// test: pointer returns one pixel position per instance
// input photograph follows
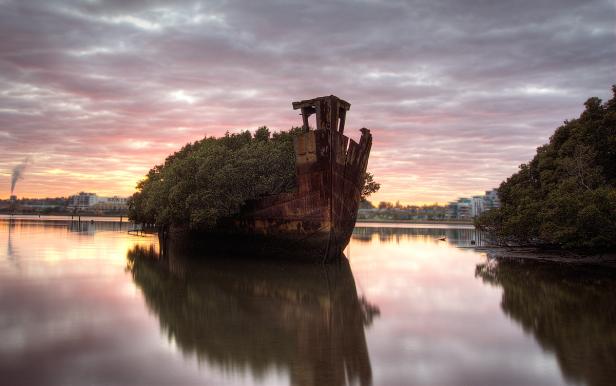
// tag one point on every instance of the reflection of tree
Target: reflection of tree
(85, 226)
(570, 312)
(257, 315)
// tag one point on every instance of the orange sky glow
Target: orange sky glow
(94, 94)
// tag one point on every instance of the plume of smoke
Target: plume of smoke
(18, 172)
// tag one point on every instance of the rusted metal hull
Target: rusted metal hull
(318, 219)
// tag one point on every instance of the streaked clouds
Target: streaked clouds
(457, 93)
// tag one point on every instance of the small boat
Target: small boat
(316, 221)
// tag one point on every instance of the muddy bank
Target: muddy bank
(523, 254)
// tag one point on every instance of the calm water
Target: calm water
(90, 304)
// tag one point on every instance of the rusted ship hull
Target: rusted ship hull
(316, 221)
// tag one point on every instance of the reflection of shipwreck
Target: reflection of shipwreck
(305, 318)
(317, 220)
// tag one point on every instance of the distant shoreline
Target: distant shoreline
(65, 217)
(527, 254)
(63, 214)
(125, 217)
(447, 222)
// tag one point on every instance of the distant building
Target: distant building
(491, 199)
(461, 209)
(90, 201)
(452, 210)
(12, 205)
(478, 206)
(467, 208)
(114, 203)
(82, 201)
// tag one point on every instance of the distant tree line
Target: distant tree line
(385, 210)
(370, 186)
(566, 195)
(365, 204)
(57, 201)
(211, 178)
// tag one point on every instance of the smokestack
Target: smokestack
(18, 173)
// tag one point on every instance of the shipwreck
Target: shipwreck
(316, 220)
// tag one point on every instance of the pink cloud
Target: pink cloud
(454, 103)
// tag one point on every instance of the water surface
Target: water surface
(87, 303)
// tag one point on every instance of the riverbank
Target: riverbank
(115, 217)
(525, 254)
(64, 217)
(446, 222)
(64, 213)
(125, 217)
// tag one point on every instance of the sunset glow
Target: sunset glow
(96, 92)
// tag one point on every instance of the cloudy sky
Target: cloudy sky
(457, 93)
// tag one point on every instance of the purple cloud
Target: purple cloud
(457, 94)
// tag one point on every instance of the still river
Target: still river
(89, 304)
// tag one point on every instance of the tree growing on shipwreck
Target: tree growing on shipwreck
(300, 186)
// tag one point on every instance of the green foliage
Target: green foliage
(213, 177)
(566, 195)
(370, 186)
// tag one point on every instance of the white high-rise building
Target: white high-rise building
(465, 208)
(477, 208)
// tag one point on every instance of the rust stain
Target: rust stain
(321, 214)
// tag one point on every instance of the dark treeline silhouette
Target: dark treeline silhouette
(305, 318)
(570, 312)
(566, 195)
